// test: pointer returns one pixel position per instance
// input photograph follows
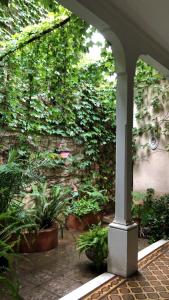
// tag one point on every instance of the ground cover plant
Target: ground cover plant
(152, 212)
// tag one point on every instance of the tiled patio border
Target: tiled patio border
(104, 278)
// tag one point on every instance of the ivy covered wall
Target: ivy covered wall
(48, 87)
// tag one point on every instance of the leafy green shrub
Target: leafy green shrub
(18, 220)
(88, 199)
(153, 213)
(90, 191)
(83, 207)
(157, 218)
(142, 205)
(95, 243)
(137, 204)
(46, 208)
(10, 181)
(10, 285)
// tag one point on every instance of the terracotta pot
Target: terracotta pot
(84, 222)
(43, 240)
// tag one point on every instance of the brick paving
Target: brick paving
(150, 282)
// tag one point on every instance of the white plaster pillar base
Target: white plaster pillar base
(123, 249)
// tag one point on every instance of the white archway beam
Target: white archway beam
(107, 17)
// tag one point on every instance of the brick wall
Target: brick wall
(65, 175)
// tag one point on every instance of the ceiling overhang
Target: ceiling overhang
(142, 26)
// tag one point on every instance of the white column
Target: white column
(123, 239)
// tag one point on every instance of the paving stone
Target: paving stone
(29, 292)
(61, 287)
(58, 271)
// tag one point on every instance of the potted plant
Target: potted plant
(82, 214)
(86, 207)
(37, 226)
(95, 244)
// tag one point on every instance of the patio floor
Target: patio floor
(53, 274)
(150, 282)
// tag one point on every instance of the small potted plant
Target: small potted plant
(95, 244)
(82, 214)
(86, 207)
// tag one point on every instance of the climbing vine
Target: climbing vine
(47, 88)
(151, 100)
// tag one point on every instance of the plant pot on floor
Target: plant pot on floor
(92, 254)
(44, 240)
(83, 222)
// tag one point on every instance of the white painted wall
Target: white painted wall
(151, 170)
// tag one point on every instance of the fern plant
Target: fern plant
(94, 243)
(9, 284)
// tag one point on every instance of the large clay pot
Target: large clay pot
(44, 240)
(84, 222)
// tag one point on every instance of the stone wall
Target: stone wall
(65, 175)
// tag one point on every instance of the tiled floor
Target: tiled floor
(53, 274)
(151, 281)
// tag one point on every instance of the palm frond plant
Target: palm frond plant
(9, 284)
(19, 220)
(49, 204)
(31, 227)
